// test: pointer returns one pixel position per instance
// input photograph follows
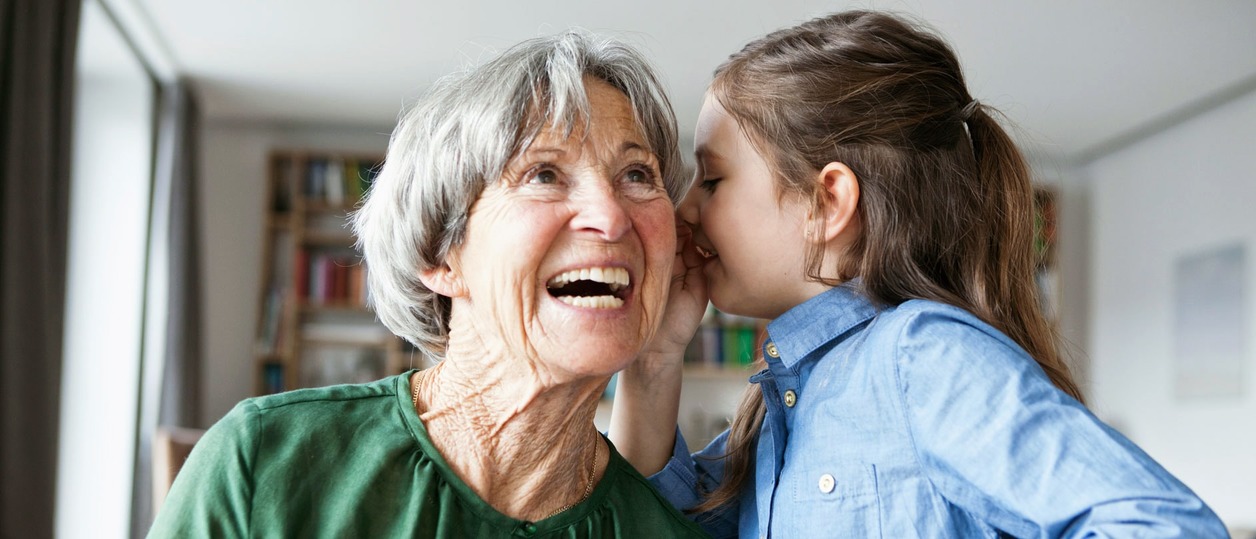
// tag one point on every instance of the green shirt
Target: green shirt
(355, 461)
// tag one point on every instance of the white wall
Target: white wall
(233, 172)
(1187, 189)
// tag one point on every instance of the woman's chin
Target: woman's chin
(597, 357)
(590, 342)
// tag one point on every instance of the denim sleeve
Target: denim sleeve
(685, 477)
(998, 439)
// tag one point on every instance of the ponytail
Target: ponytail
(1013, 305)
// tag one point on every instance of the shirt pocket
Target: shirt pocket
(840, 498)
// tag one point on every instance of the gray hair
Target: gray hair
(457, 139)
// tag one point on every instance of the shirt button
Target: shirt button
(790, 398)
(827, 483)
(771, 350)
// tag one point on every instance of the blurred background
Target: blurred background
(176, 176)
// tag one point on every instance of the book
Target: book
(301, 281)
(272, 377)
(334, 182)
(270, 323)
(281, 200)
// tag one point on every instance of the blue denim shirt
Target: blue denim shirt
(921, 421)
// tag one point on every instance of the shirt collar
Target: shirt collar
(819, 320)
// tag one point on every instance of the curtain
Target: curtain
(180, 396)
(171, 379)
(37, 54)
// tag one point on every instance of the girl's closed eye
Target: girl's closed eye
(710, 184)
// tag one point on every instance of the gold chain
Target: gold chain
(588, 487)
(414, 394)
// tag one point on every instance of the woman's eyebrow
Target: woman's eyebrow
(533, 151)
(629, 146)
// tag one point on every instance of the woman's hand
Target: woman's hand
(647, 399)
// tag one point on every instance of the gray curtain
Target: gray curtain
(37, 47)
(180, 396)
(170, 384)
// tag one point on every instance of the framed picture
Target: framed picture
(1046, 276)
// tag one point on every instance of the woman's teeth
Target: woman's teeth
(595, 302)
(616, 278)
(595, 288)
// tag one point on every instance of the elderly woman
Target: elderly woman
(521, 232)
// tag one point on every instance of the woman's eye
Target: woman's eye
(544, 176)
(639, 175)
(709, 185)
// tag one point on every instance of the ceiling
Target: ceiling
(1076, 76)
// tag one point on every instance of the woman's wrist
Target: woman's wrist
(643, 418)
(653, 366)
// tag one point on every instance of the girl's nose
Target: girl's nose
(688, 210)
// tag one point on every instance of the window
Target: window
(111, 188)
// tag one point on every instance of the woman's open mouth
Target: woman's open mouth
(598, 288)
(706, 253)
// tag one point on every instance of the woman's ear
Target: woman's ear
(839, 191)
(443, 280)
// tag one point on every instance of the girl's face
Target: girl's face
(753, 240)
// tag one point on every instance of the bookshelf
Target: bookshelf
(314, 327)
(724, 346)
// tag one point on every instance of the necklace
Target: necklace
(414, 394)
(588, 486)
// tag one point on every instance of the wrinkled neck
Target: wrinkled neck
(521, 440)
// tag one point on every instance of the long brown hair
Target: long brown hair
(946, 203)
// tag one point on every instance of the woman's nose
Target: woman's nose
(602, 211)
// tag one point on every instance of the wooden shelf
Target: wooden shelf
(336, 308)
(328, 239)
(713, 372)
(365, 343)
(279, 222)
(308, 253)
(324, 207)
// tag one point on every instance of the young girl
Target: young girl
(850, 190)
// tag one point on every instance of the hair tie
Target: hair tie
(968, 110)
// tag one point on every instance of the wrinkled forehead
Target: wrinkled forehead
(567, 114)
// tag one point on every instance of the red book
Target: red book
(340, 281)
(302, 278)
(355, 284)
